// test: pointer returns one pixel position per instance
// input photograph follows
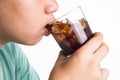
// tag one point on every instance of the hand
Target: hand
(84, 64)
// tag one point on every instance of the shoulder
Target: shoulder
(14, 53)
(13, 50)
(11, 47)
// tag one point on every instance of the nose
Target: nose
(51, 6)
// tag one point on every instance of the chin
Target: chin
(30, 42)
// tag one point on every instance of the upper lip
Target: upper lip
(50, 21)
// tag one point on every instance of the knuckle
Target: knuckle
(106, 47)
(99, 34)
(99, 37)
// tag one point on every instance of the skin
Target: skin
(84, 64)
(23, 21)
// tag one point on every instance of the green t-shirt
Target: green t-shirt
(14, 64)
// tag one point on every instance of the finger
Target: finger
(105, 73)
(101, 52)
(61, 56)
(91, 46)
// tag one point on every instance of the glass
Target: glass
(70, 31)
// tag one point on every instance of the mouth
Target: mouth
(46, 32)
(48, 26)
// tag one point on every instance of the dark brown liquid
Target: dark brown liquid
(66, 36)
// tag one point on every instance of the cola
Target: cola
(70, 35)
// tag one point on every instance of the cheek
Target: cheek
(25, 20)
(32, 12)
(28, 35)
(32, 16)
(31, 31)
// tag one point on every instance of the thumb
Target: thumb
(105, 73)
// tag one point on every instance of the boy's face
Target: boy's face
(24, 21)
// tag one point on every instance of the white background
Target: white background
(103, 16)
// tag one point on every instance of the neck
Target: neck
(2, 42)
(1, 45)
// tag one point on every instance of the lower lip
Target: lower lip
(47, 33)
